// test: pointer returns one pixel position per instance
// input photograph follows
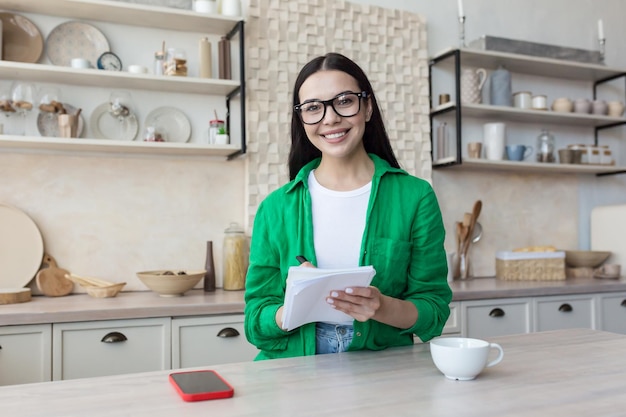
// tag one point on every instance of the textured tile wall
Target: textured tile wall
(282, 36)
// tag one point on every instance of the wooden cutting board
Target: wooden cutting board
(608, 232)
(14, 295)
(51, 279)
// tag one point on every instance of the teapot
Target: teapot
(472, 81)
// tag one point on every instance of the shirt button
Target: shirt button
(358, 334)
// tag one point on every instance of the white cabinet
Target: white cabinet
(612, 312)
(25, 354)
(488, 318)
(452, 61)
(110, 347)
(566, 312)
(130, 18)
(203, 341)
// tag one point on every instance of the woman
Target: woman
(347, 204)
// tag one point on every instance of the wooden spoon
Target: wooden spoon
(478, 205)
(51, 279)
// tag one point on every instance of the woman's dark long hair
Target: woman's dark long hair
(375, 138)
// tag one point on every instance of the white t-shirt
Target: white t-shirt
(338, 224)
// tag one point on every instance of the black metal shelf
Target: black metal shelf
(455, 58)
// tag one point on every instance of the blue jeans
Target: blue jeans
(332, 338)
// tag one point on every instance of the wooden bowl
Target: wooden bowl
(170, 283)
(585, 258)
(104, 292)
(97, 288)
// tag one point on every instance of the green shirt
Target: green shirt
(403, 241)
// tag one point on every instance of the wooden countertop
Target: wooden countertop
(567, 372)
(142, 304)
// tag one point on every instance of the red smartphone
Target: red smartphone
(200, 385)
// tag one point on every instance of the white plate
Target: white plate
(106, 126)
(21, 248)
(48, 123)
(75, 40)
(171, 123)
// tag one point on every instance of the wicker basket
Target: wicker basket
(530, 266)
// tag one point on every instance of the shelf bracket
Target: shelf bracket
(241, 90)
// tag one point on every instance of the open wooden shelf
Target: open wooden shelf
(115, 146)
(528, 167)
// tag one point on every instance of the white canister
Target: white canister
(540, 102)
(231, 7)
(522, 100)
(205, 6)
(593, 155)
(606, 157)
(494, 140)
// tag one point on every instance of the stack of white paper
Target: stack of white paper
(307, 289)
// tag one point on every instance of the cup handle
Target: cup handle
(482, 74)
(500, 355)
(529, 149)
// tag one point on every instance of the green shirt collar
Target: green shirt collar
(381, 167)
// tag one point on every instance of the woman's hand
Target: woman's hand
(364, 303)
(361, 303)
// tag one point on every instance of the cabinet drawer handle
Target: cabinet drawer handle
(114, 337)
(496, 312)
(228, 332)
(623, 303)
(565, 308)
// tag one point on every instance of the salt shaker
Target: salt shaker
(235, 258)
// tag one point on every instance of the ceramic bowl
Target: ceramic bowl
(585, 258)
(170, 283)
(563, 105)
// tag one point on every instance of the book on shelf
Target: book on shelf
(307, 289)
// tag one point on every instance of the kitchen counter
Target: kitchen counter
(142, 304)
(127, 305)
(567, 372)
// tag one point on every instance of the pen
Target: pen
(301, 259)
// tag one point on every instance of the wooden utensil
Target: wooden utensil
(14, 295)
(51, 279)
(478, 205)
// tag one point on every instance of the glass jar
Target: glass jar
(176, 62)
(214, 129)
(545, 146)
(159, 63)
(235, 258)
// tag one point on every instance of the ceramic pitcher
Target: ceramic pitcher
(472, 81)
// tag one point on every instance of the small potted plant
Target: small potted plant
(222, 137)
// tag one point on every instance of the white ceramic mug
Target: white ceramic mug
(463, 358)
(494, 140)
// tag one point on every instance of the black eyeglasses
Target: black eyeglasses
(345, 105)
